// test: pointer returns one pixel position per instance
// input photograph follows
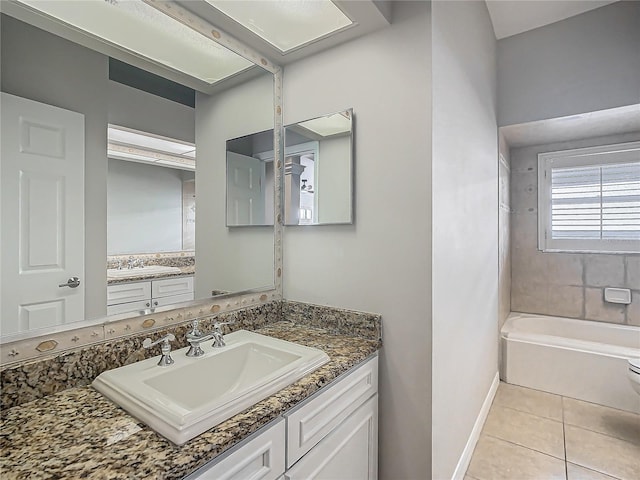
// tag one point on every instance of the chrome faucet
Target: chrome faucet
(195, 338)
(165, 348)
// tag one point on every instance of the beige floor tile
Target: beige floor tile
(495, 459)
(531, 431)
(602, 453)
(617, 423)
(530, 401)
(575, 472)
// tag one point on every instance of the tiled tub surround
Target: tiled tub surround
(27, 381)
(78, 433)
(563, 284)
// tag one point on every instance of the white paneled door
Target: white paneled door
(245, 197)
(42, 205)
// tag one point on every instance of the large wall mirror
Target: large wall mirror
(318, 170)
(114, 163)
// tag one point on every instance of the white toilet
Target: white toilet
(634, 373)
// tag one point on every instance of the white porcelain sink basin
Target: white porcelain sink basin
(191, 396)
(141, 271)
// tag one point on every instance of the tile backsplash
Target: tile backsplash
(563, 284)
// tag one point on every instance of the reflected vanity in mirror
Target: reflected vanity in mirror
(318, 170)
(125, 201)
(250, 180)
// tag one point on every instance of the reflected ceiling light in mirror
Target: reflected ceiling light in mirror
(286, 24)
(329, 125)
(134, 146)
(137, 27)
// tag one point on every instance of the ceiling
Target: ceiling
(510, 17)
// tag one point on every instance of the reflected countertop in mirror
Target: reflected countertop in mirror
(318, 170)
(57, 69)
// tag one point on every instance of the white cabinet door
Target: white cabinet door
(171, 286)
(260, 458)
(42, 198)
(311, 422)
(350, 452)
(128, 292)
(128, 307)
(162, 301)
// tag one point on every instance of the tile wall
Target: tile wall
(504, 229)
(563, 284)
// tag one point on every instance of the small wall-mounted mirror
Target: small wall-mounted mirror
(250, 180)
(318, 174)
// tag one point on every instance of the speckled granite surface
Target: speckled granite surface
(74, 368)
(336, 320)
(78, 433)
(184, 271)
(168, 259)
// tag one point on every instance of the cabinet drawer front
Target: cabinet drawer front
(128, 307)
(350, 451)
(128, 292)
(311, 422)
(162, 301)
(261, 458)
(171, 286)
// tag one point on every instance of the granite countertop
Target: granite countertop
(78, 433)
(184, 271)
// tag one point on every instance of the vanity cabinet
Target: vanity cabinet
(136, 296)
(333, 434)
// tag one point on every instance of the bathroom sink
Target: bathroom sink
(183, 400)
(141, 271)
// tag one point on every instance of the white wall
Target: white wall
(236, 258)
(382, 263)
(144, 208)
(465, 225)
(582, 64)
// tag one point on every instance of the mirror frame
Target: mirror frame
(28, 345)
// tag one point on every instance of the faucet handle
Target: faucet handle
(165, 348)
(195, 331)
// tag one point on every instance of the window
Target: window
(589, 199)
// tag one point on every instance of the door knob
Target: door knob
(73, 282)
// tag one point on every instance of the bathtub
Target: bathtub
(575, 358)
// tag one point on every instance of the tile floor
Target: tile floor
(535, 435)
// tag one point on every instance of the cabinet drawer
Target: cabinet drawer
(311, 422)
(128, 307)
(350, 451)
(261, 458)
(171, 286)
(128, 292)
(162, 301)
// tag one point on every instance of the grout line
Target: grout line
(594, 471)
(527, 448)
(529, 413)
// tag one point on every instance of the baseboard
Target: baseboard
(465, 458)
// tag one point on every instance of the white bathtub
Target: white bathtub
(575, 358)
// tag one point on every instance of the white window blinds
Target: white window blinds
(589, 200)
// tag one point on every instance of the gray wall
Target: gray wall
(333, 182)
(504, 231)
(237, 258)
(46, 68)
(582, 64)
(563, 284)
(465, 226)
(144, 208)
(382, 263)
